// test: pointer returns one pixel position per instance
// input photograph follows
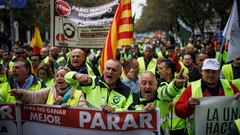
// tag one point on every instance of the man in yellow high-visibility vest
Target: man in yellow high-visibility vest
(147, 62)
(209, 85)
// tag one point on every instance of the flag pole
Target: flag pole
(221, 52)
(11, 15)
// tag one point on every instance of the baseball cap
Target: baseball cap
(212, 64)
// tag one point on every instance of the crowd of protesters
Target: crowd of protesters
(143, 76)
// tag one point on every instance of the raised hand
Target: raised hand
(131, 75)
(181, 80)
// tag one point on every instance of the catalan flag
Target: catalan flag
(120, 32)
(36, 42)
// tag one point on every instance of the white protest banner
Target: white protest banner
(73, 25)
(8, 124)
(232, 33)
(216, 114)
(44, 119)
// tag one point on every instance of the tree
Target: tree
(160, 14)
(156, 15)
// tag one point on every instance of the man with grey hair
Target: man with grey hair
(147, 62)
(78, 63)
(147, 96)
(106, 92)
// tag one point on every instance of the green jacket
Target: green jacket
(99, 94)
(175, 122)
(6, 87)
(166, 93)
(3, 78)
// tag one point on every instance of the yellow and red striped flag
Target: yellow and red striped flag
(120, 32)
(36, 42)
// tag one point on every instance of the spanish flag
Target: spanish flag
(120, 32)
(36, 42)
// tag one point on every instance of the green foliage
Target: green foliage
(157, 14)
(161, 14)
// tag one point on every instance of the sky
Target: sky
(137, 7)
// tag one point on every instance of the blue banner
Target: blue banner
(15, 3)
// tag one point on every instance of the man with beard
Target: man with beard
(209, 85)
(78, 63)
(22, 79)
(106, 92)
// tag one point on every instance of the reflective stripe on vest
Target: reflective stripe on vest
(151, 66)
(73, 101)
(228, 72)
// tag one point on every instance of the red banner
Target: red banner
(90, 119)
(7, 111)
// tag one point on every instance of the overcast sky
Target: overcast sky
(137, 8)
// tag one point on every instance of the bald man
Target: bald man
(78, 63)
(106, 92)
